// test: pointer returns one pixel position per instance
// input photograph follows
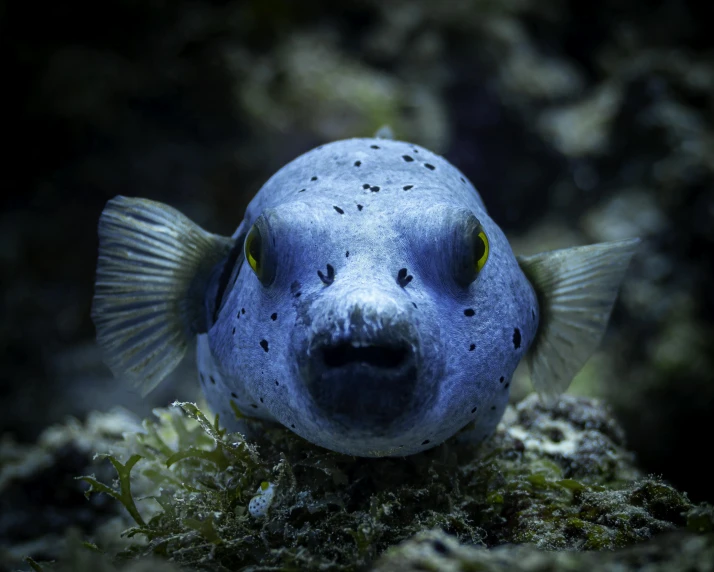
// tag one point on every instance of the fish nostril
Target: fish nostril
(379, 356)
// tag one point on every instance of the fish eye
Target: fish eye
(253, 243)
(480, 250)
(257, 253)
(471, 250)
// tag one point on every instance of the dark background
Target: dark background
(577, 121)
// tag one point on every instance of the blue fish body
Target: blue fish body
(367, 301)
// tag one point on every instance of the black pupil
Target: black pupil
(479, 247)
(254, 246)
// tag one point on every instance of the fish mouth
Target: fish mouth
(366, 383)
(379, 356)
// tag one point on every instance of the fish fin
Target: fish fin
(152, 270)
(384, 132)
(576, 289)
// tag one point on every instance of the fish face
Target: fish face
(373, 336)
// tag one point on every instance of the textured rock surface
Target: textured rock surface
(434, 550)
(556, 479)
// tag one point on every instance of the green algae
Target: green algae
(434, 550)
(557, 479)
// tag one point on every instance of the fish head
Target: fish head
(374, 335)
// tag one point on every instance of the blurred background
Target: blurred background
(577, 121)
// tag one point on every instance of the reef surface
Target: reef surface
(553, 488)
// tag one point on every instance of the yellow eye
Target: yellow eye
(260, 252)
(470, 249)
(253, 250)
(480, 250)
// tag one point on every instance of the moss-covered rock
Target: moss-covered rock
(558, 479)
(436, 551)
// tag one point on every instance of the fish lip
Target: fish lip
(372, 396)
(385, 338)
(365, 334)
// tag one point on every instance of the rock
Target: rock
(558, 479)
(434, 550)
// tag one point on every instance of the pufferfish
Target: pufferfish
(367, 302)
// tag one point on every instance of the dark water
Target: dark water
(577, 122)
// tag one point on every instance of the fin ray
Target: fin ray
(576, 289)
(153, 263)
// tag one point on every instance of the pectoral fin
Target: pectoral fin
(151, 274)
(576, 289)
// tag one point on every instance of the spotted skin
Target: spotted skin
(361, 233)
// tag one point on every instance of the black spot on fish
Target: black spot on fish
(203, 378)
(374, 146)
(264, 345)
(472, 347)
(407, 158)
(507, 385)
(516, 338)
(295, 287)
(347, 254)
(292, 425)
(242, 310)
(462, 180)
(277, 383)
(469, 312)
(425, 442)
(429, 166)
(366, 186)
(440, 547)
(233, 395)
(339, 210)
(298, 294)
(262, 400)
(402, 278)
(213, 381)
(533, 314)
(415, 150)
(407, 187)
(474, 410)
(330, 278)
(254, 406)
(359, 207)
(274, 316)
(234, 331)
(501, 380)
(302, 190)
(358, 163)
(313, 178)
(414, 304)
(493, 408)
(374, 189)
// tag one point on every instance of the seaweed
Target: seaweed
(559, 479)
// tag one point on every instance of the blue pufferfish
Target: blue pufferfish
(367, 302)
